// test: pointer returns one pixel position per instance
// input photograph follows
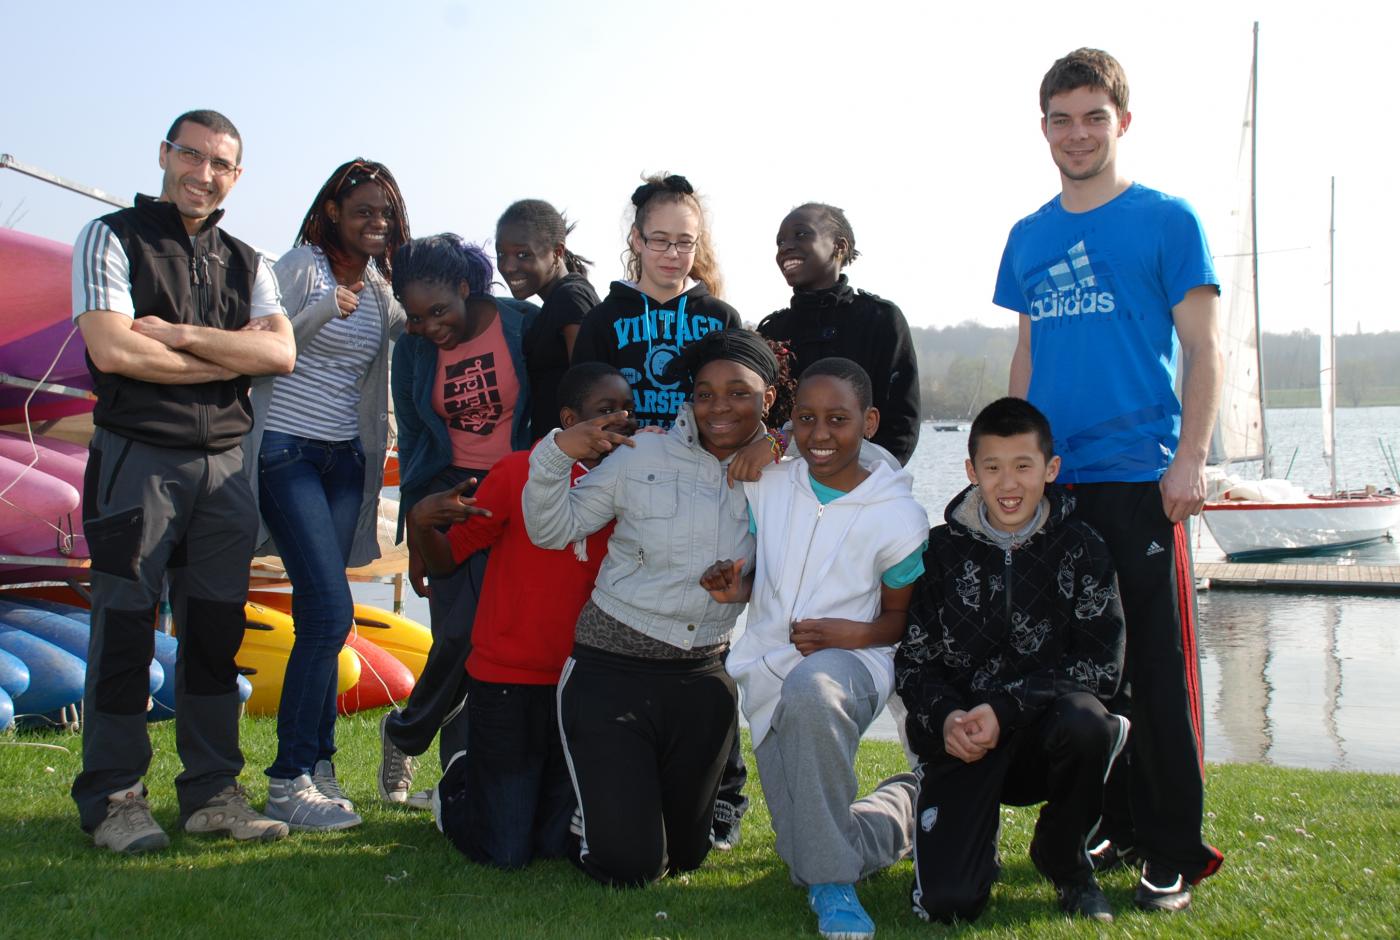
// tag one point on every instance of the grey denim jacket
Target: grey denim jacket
(675, 515)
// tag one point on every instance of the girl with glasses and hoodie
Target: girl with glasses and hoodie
(668, 301)
(316, 460)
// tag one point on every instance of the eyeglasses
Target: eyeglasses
(194, 160)
(662, 245)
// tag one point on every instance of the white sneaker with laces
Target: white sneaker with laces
(300, 805)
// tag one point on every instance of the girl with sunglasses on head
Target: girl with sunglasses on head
(533, 261)
(668, 301)
(317, 448)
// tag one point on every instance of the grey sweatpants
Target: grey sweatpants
(807, 767)
(149, 512)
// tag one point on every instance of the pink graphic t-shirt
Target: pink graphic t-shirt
(474, 391)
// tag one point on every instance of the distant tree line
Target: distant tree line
(1368, 368)
(963, 367)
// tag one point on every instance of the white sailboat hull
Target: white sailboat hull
(1244, 528)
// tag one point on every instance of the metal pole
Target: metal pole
(8, 162)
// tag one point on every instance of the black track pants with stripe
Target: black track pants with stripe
(645, 742)
(1154, 800)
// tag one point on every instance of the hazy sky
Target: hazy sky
(921, 121)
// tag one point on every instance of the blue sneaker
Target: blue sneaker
(839, 914)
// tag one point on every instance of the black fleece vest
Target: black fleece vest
(206, 280)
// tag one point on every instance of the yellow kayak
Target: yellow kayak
(266, 645)
(405, 640)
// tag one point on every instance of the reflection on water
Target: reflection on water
(1301, 680)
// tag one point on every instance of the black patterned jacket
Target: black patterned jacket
(1014, 628)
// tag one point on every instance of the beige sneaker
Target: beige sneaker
(129, 827)
(228, 813)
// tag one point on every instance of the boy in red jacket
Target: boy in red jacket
(508, 798)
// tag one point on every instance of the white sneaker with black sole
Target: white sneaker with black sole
(302, 807)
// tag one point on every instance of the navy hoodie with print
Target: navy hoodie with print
(640, 336)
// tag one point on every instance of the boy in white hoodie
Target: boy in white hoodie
(839, 545)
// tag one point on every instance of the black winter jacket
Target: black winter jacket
(843, 321)
(1015, 628)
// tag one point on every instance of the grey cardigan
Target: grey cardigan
(296, 275)
(675, 515)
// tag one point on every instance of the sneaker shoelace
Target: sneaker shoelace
(234, 797)
(400, 766)
(133, 813)
(725, 813)
(329, 787)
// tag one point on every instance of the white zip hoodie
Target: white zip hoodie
(819, 561)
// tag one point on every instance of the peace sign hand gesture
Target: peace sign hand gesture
(590, 440)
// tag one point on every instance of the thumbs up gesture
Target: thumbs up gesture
(348, 298)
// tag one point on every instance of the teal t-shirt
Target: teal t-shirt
(900, 575)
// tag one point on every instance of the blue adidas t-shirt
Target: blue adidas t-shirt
(1099, 288)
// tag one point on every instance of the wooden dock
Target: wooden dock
(1346, 579)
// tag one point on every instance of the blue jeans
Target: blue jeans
(509, 799)
(310, 492)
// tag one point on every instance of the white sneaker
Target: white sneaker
(323, 776)
(301, 806)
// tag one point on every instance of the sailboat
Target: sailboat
(1268, 516)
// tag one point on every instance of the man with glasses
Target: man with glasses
(176, 316)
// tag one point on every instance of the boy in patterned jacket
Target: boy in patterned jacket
(1014, 644)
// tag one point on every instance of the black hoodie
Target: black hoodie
(843, 321)
(1014, 626)
(640, 336)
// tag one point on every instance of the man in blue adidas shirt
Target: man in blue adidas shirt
(1115, 286)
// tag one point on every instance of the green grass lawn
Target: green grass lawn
(1307, 854)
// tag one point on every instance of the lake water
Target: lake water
(1297, 680)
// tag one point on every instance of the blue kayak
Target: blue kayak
(68, 629)
(55, 675)
(14, 674)
(162, 665)
(7, 711)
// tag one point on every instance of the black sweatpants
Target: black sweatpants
(646, 741)
(1062, 758)
(1155, 799)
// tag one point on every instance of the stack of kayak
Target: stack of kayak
(37, 338)
(41, 485)
(44, 646)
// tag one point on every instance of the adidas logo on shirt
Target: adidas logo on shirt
(1070, 288)
(1154, 549)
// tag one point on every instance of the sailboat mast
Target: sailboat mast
(1268, 470)
(1330, 376)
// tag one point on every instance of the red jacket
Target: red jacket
(531, 597)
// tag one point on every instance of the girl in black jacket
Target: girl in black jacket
(828, 317)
